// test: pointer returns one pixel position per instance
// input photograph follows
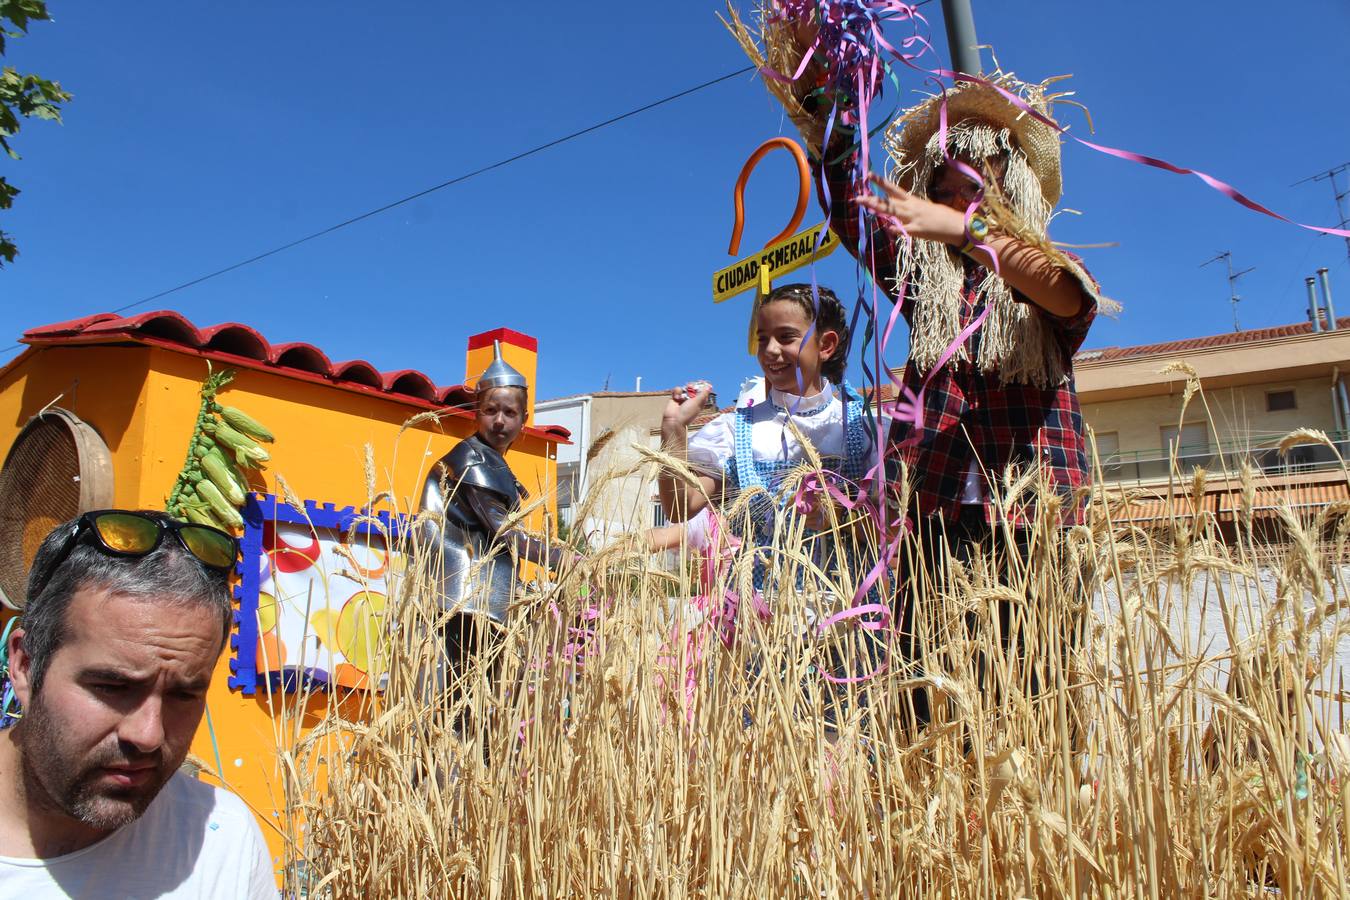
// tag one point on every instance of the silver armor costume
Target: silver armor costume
(471, 492)
(477, 568)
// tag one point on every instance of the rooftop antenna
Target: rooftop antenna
(1340, 195)
(1227, 257)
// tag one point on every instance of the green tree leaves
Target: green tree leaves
(21, 97)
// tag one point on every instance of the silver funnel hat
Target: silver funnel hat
(499, 374)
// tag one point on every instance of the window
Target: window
(1278, 401)
(1192, 440)
(658, 515)
(1108, 444)
(1108, 452)
(567, 492)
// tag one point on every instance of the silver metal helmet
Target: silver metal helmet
(499, 374)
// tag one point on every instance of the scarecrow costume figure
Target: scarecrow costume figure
(990, 373)
(467, 499)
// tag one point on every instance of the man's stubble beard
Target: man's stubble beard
(50, 784)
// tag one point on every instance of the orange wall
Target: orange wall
(144, 402)
(104, 386)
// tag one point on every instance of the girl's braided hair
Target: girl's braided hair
(829, 317)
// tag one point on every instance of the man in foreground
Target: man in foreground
(126, 616)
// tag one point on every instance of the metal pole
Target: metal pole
(961, 41)
(1336, 400)
(1330, 175)
(1314, 313)
(1227, 257)
(1340, 197)
(1326, 298)
(1345, 409)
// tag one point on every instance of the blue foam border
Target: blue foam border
(258, 510)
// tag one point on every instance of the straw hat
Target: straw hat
(913, 134)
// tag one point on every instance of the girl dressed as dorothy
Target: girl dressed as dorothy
(802, 351)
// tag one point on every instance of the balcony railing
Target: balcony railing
(1156, 464)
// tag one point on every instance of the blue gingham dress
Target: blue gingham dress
(742, 471)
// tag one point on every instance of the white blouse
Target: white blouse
(820, 419)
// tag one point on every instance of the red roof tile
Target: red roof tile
(299, 355)
(705, 418)
(240, 340)
(72, 326)
(410, 382)
(358, 371)
(1109, 354)
(888, 391)
(240, 345)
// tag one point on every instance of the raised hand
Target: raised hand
(901, 213)
(686, 403)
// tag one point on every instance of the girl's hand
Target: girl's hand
(920, 218)
(685, 404)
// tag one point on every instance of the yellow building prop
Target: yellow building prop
(99, 412)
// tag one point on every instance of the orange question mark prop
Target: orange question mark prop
(803, 190)
(738, 197)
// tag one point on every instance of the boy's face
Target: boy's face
(501, 416)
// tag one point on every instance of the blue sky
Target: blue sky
(202, 134)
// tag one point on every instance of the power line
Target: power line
(444, 184)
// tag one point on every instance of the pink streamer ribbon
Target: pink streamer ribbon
(1219, 185)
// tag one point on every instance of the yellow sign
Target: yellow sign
(772, 262)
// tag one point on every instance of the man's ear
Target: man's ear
(20, 667)
(829, 344)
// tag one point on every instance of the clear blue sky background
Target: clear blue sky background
(202, 134)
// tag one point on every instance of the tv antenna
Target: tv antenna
(1340, 195)
(1227, 257)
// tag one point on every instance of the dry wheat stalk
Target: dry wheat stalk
(665, 764)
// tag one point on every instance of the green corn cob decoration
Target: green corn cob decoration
(245, 424)
(220, 507)
(235, 472)
(199, 517)
(214, 468)
(210, 485)
(189, 502)
(241, 445)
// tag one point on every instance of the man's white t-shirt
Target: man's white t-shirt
(194, 840)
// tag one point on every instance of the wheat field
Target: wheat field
(1172, 725)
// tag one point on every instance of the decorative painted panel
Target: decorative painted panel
(313, 595)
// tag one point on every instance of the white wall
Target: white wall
(570, 414)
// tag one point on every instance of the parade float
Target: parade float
(312, 462)
(586, 782)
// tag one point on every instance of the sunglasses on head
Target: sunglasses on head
(121, 532)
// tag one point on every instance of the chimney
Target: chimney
(520, 351)
(1314, 314)
(1326, 298)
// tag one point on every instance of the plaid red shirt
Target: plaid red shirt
(970, 415)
